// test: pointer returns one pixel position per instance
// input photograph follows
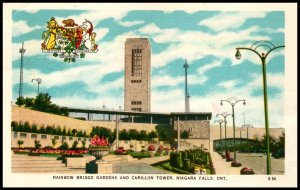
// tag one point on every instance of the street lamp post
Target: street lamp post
(39, 81)
(225, 114)
(220, 123)
(240, 130)
(232, 101)
(247, 126)
(263, 58)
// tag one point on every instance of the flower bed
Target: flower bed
(236, 164)
(246, 171)
(121, 151)
(21, 151)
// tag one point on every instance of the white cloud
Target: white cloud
(165, 80)
(208, 67)
(228, 20)
(194, 45)
(33, 47)
(95, 16)
(32, 11)
(131, 23)
(229, 84)
(21, 27)
(150, 29)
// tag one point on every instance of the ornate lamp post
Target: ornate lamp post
(240, 130)
(220, 123)
(263, 58)
(247, 126)
(39, 81)
(232, 101)
(224, 114)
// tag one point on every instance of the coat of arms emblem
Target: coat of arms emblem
(70, 40)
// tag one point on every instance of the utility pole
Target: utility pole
(22, 51)
(187, 96)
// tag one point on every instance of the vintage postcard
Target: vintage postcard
(149, 95)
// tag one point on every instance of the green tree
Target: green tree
(74, 131)
(64, 146)
(34, 128)
(112, 137)
(37, 144)
(21, 126)
(152, 135)
(69, 132)
(20, 142)
(133, 134)
(123, 135)
(29, 102)
(185, 134)
(64, 131)
(42, 102)
(101, 132)
(49, 129)
(83, 143)
(281, 142)
(42, 130)
(54, 142)
(74, 145)
(15, 125)
(84, 134)
(27, 127)
(142, 135)
(79, 133)
(20, 101)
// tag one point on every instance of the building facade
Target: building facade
(137, 75)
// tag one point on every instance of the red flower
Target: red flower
(96, 141)
(151, 148)
(161, 147)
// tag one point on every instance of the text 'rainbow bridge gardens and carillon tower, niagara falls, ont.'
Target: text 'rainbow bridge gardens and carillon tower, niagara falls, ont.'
(148, 92)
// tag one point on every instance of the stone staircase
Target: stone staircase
(41, 164)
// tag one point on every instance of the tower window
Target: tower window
(136, 69)
(136, 109)
(136, 103)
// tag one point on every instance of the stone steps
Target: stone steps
(40, 164)
(49, 170)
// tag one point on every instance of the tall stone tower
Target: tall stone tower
(137, 75)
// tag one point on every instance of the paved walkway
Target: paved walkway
(223, 167)
(142, 166)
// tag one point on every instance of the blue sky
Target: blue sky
(207, 39)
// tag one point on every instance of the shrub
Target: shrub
(20, 142)
(192, 157)
(186, 164)
(175, 159)
(140, 155)
(236, 164)
(53, 141)
(64, 146)
(83, 143)
(74, 145)
(246, 171)
(37, 144)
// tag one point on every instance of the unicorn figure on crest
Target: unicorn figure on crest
(87, 36)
